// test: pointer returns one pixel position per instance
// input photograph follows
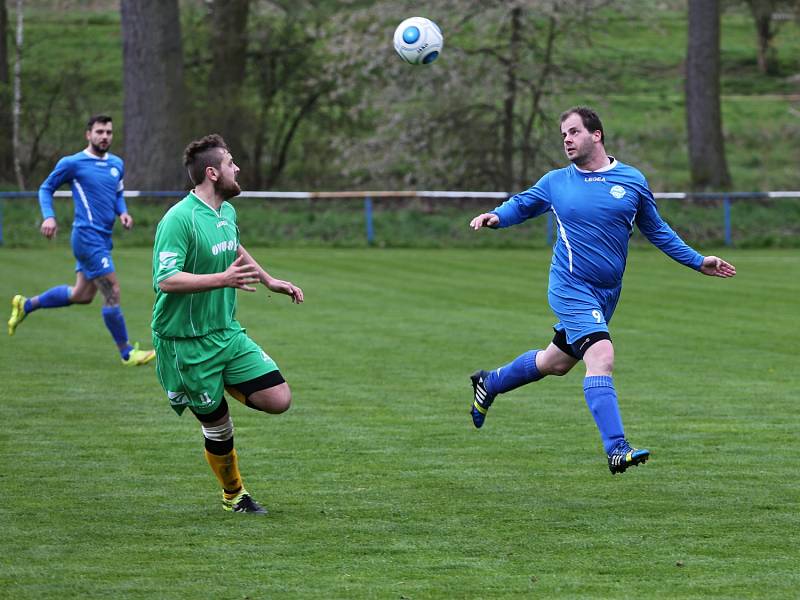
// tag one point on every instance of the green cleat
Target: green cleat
(137, 357)
(243, 503)
(18, 313)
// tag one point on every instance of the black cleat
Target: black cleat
(624, 456)
(482, 399)
(244, 503)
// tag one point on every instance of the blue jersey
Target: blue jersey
(97, 188)
(595, 212)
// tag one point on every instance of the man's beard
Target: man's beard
(98, 150)
(227, 189)
(581, 157)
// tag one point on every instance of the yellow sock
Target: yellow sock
(226, 468)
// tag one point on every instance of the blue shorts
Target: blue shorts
(92, 250)
(580, 307)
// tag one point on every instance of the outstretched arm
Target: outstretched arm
(276, 285)
(714, 266)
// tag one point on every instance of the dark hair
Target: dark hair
(590, 119)
(201, 154)
(97, 119)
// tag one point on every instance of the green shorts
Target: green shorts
(195, 371)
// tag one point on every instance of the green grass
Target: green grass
(378, 485)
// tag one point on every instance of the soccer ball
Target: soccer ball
(418, 41)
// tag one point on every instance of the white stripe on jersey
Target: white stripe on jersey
(194, 269)
(563, 233)
(85, 201)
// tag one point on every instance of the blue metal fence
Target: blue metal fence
(368, 197)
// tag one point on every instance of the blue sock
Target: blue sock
(518, 372)
(52, 298)
(115, 322)
(601, 397)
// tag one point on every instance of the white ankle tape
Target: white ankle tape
(218, 433)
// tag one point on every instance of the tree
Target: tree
(762, 11)
(17, 103)
(6, 146)
(228, 41)
(483, 116)
(709, 169)
(767, 26)
(154, 94)
(270, 82)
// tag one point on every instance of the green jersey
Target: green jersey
(194, 238)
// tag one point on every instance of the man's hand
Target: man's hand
(126, 220)
(240, 274)
(484, 220)
(716, 267)
(286, 287)
(49, 228)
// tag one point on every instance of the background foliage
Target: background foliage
(327, 105)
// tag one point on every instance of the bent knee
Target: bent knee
(275, 400)
(283, 406)
(281, 402)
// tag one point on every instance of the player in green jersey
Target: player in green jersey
(201, 349)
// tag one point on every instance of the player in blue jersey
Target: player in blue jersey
(596, 201)
(95, 176)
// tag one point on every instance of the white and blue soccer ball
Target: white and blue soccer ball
(418, 41)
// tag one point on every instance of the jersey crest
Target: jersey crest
(617, 191)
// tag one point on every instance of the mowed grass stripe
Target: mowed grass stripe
(377, 483)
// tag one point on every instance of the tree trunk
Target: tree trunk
(154, 95)
(762, 15)
(226, 115)
(6, 124)
(708, 166)
(16, 111)
(509, 104)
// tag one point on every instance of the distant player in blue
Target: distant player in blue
(596, 201)
(95, 176)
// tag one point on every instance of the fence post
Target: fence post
(368, 220)
(726, 207)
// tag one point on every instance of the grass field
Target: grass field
(378, 485)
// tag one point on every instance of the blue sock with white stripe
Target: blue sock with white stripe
(52, 298)
(115, 322)
(518, 372)
(601, 397)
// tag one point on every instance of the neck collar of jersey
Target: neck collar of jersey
(199, 199)
(94, 156)
(612, 163)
